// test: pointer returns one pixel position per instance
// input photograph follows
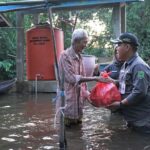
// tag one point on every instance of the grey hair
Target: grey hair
(78, 34)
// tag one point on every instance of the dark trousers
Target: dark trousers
(140, 129)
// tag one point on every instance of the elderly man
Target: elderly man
(134, 84)
(71, 65)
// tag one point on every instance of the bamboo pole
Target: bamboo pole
(75, 21)
(54, 42)
(62, 134)
(62, 137)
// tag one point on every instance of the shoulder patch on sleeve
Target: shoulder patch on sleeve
(141, 74)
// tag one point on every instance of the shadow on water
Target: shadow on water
(28, 123)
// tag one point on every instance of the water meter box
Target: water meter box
(40, 57)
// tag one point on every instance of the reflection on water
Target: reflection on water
(27, 123)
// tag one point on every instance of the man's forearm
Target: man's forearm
(87, 79)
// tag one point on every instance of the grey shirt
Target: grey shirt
(114, 68)
(134, 85)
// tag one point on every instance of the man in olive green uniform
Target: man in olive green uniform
(134, 84)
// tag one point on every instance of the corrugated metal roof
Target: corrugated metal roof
(57, 4)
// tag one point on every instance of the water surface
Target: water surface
(27, 123)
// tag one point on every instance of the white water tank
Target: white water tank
(89, 64)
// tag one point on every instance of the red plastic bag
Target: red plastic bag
(104, 94)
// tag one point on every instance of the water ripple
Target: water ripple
(8, 139)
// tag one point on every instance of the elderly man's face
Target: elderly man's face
(81, 45)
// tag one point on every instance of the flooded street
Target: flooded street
(27, 123)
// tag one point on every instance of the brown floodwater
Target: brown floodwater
(27, 123)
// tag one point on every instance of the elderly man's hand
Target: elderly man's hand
(106, 80)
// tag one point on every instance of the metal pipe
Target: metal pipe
(36, 79)
(32, 2)
(62, 134)
(21, 2)
(24, 8)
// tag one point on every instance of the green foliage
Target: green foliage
(8, 50)
(99, 45)
(138, 16)
(65, 22)
(7, 69)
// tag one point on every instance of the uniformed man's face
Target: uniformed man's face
(117, 55)
(122, 51)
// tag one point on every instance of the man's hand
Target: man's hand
(117, 105)
(102, 79)
(96, 70)
(114, 106)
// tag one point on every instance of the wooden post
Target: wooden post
(20, 47)
(123, 18)
(116, 21)
(35, 19)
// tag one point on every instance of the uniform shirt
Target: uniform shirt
(73, 68)
(134, 85)
(114, 68)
